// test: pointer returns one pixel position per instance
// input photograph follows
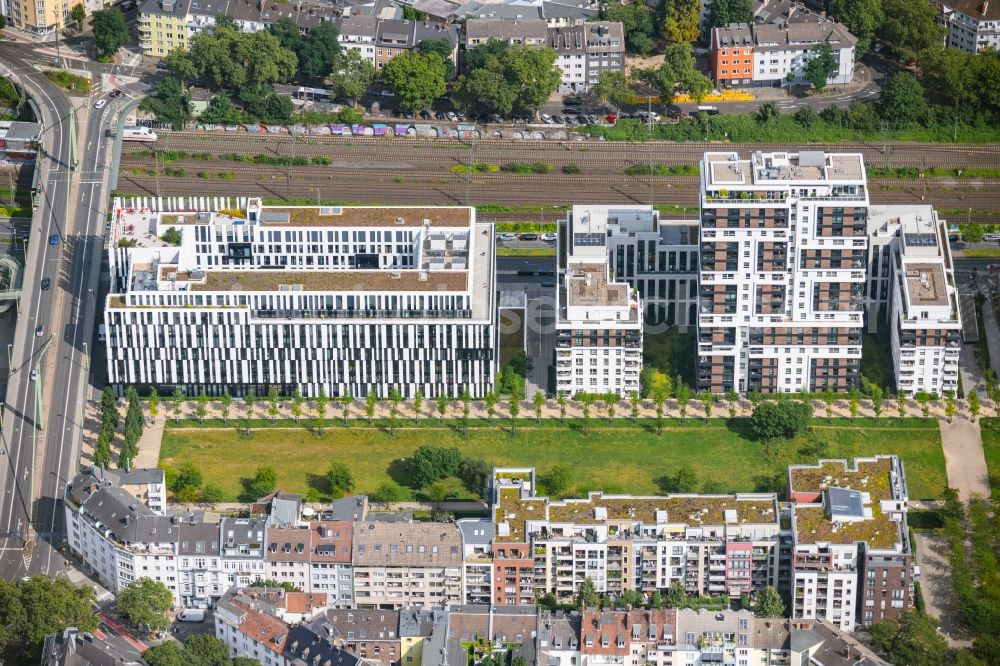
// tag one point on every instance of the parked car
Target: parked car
(557, 119)
(528, 237)
(573, 101)
(426, 115)
(507, 237)
(388, 93)
(547, 119)
(548, 238)
(115, 93)
(496, 118)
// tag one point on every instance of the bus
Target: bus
(138, 134)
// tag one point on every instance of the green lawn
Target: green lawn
(991, 447)
(618, 457)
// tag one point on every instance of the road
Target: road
(66, 312)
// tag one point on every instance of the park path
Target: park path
(937, 588)
(964, 459)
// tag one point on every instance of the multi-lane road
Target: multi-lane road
(65, 246)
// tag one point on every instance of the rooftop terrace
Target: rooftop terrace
(366, 216)
(333, 280)
(926, 285)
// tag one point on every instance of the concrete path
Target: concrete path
(937, 588)
(964, 459)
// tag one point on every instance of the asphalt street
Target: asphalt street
(39, 462)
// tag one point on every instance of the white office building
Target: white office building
(345, 299)
(973, 25)
(598, 318)
(784, 246)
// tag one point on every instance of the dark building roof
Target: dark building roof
(72, 648)
(304, 646)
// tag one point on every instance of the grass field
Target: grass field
(615, 457)
(990, 429)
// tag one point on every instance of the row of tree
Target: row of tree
(111, 419)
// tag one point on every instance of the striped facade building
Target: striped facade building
(214, 295)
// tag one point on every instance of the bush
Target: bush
(525, 168)
(388, 493)
(433, 463)
(571, 169)
(172, 236)
(776, 420)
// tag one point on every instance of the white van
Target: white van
(191, 615)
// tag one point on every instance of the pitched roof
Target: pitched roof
(269, 631)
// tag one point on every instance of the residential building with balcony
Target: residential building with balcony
(330, 568)
(925, 321)
(347, 299)
(517, 32)
(783, 258)
(973, 25)
(599, 322)
(477, 560)
(712, 544)
(407, 564)
(852, 561)
(585, 50)
(379, 40)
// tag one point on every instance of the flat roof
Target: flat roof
(368, 216)
(926, 284)
(334, 280)
(587, 284)
(729, 169)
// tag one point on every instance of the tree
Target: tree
(388, 492)
(206, 650)
(828, 399)
(351, 75)
(317, 55)
(774, 420)
(821, 66)
(974, 404)
(264, 481)
(901, 102)
(683, 397)
(557, 480)
(226, 404)
(443, 48)
(614, 88)
(949, 406)
(862, 18)
(652, 381)
(416, 78)
(683, 481)
(901, 404)
(212, 494)
(102, 449)
(633, 399)
(169, 653)
(154, 403)
(145, 604)
(475, 474)
(79, 15)
(678, 73)
(371, 402)
(561, 401)
(418, 401)
(637, 23)
(188, 475)
(924, 400)
(431, 463)
(588, 597)
(723, 12)
(490, 399)
(340, 479)
(611, 400)
(346, 400)
(250, 401)
(31, 609)
(732, 402)
(514, 407)
(539, 402)
(852, 402)
(768, 603)
(297, 401)
(910, 28)
(707, 400)
(274, 402)
(878, 399)
(503, 78)
(681, 20)
(176, 401)
(287, 33)
(910, 638)
(656, 600)
(806, 116)
(201, 406)
(676, 596)
(110, 30)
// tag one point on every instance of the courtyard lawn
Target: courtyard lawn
(620, 457)
(990, 429)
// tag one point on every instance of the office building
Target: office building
(972, 25)
(599, 322)
(712, 544)
(912, 290)
(784, 252)
(343, 299)
(852, 564)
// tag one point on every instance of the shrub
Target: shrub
(775, 420)
(571, 169)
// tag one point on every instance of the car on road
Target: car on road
(34, 374)
(100, 104)
(573, 101)
(39, 331)
(548, 238)
(115, 93)
(46, 283)
(426, 115)
(507, 237)
(548, 285)
(452, 116)
(161, 65)
(557, 119)
(388, 93)
(54, 239)
(527, 237)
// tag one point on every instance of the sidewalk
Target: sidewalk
(964, 459)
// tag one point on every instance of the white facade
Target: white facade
(598, 319)
(344, 299)
(773, 63)
(973, 25)
(585, 50)
(784, 249)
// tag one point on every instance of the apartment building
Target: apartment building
(166, 25)
(912, 279)
(712, 544)
(42, 17)
(19, 141)
(347, 299)
(407, 564)
(119, 538)
(973, 25)
(379, 40)
(488, 628)
(330, 569)
(524, 32)
(599, 320)
(852, 563)
(585, 50)
(777, 54)
(477, 562)
(784, 248)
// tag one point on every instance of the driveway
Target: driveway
(936, 585)
(963, 458)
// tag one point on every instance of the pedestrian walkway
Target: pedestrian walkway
(964, 459)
